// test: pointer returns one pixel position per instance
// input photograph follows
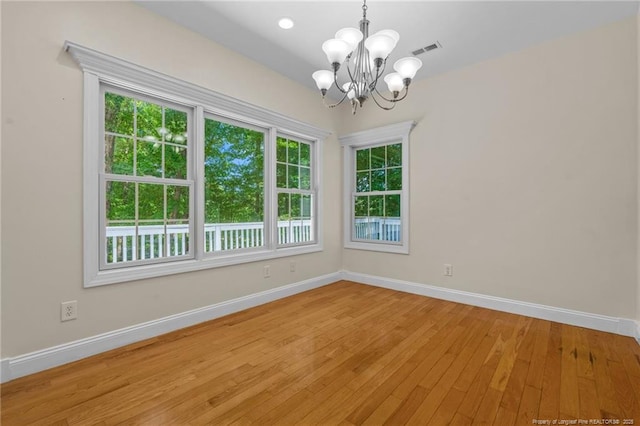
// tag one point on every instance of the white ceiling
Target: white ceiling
(469, 31)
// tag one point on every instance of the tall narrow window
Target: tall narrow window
(234, 186)
(295, 191)
(376, 188)
(378, 194)
(147, 190)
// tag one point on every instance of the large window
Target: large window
(376, 195)
(179, 178)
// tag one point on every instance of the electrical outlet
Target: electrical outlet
(267, 271)
(69, 310)
(448, 270)
(292, 266)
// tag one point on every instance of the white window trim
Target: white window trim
(99, 68)
(372, 137)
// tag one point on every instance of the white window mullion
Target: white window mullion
(197, 199)
(271, 194)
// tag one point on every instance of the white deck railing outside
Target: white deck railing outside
(123, 246)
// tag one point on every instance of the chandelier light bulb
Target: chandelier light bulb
(351, 36)
(323, 78)
(379, 46)
(393, 34)
(394, 82)
(336, 50)
(407, 67)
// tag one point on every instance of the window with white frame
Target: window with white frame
(179, 178)
(376, 189)
(294, 186)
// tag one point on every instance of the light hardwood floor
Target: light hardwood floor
(345, 354)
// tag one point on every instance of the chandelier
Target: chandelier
(365, 59)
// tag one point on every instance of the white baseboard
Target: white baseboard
(34, 362)
(623, 326)
(22, 365)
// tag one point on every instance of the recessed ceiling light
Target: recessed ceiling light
(285, 23)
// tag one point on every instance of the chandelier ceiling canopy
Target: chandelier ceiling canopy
(365, 59)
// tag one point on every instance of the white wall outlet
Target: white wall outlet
(292, 266)
(267, 271)
(69, 310)
(448, 270)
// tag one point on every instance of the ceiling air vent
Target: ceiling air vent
(426, 49)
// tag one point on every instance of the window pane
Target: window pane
(175, 162)
(394, 179)
(234, 186)
(293, 152)
(151, 239)
(392, 205)
(175, 126)
(150, 201)
(293, 177)
(149, 159)
(177, 202)
(376, 205)
(362, 182)
(305, 178)
(177, 238)
(281, 175)
(378, 180)
(378, 157)
(361, 206)
(284, 211)
(120, 242)
(362, 159)
(394, 155)
(296, 206)
(121, 201)
(149, 121)
(305, 154)
(118, 114)
(306, 206)
(118, 155)
(281, 150)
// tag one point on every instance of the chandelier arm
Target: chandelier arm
(335, 81)
(324, 101)
(382, 96)
(379, 71)
(351, 79)
(406, 92)
(393, 105)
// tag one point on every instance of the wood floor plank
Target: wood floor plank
(344, 354)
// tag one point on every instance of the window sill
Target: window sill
(134, 273)
(381, 247)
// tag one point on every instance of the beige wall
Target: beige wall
(524, 175)
(42, 169)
